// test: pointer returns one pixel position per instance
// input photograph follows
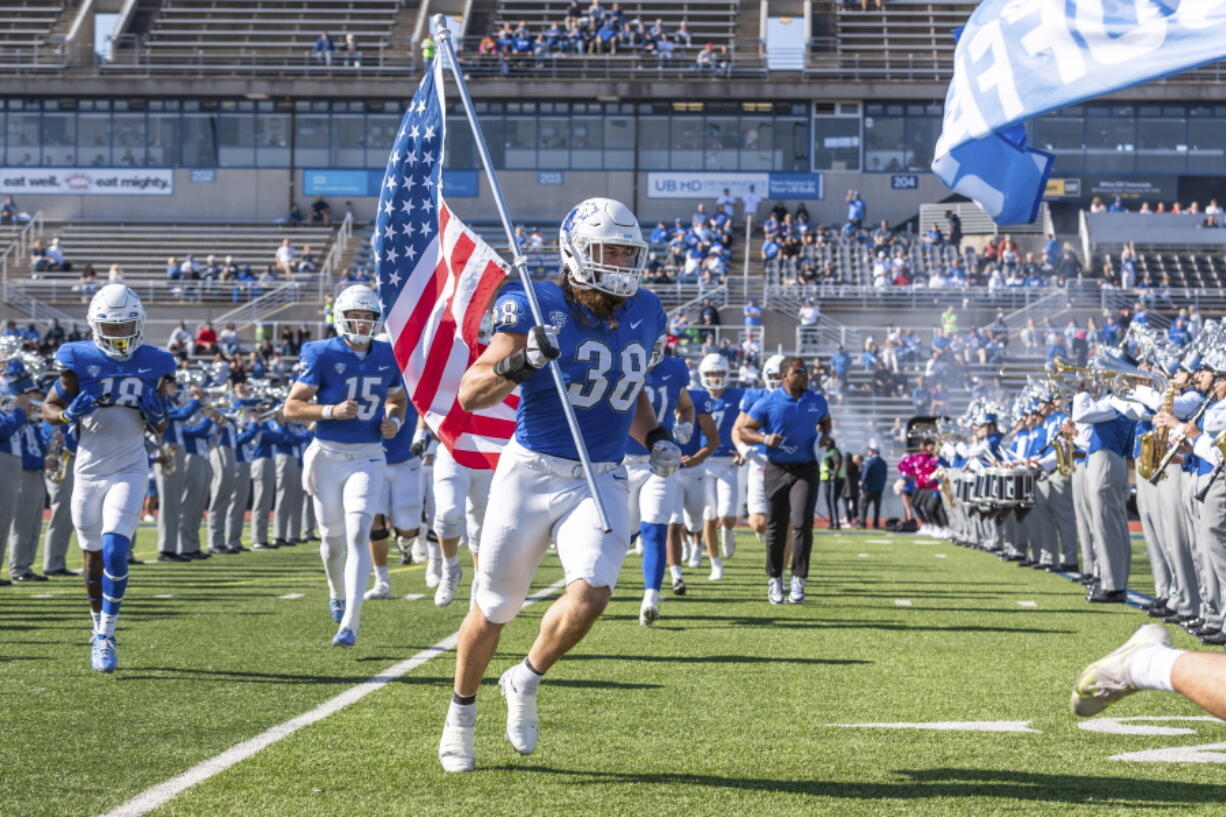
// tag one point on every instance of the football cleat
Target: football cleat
(379, 591)
(434, 572)
(419, 549)
(1107, 680)
(336, 609)
(344, 637)
(102, 656)
(728, 544)
(405, 545)
(797, 596)
(456, 750)
(648, 613)
(774, 590)
(695, 556)
(678, 586)
(447, 586)
(717, 573)
(522, 723)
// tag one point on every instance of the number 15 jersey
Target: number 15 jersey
(339, 374)
(603, 370)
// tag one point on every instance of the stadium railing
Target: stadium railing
(593, 66)
(14, 260)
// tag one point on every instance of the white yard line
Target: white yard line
(160, 794)
(291, 596)
(902, 602)
(1027, 604)
(414, 596)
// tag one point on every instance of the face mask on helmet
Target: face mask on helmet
(713, 376)
(602, 247)
(358, 326)
(117, 338)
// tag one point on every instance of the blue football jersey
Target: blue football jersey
(664, 385)
(397, 449)
(698, 440)
(603, 369)
(723, 410)
(340, 374)
(115, 382)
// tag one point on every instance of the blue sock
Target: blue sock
(114, 571)
(655, 537)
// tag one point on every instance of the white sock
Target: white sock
(716, 562)
(452, 562)
(108, 624)
(433, 551)
(462, 714)
(758, 536)
(729, 539)
(332, 551)
(1150, 667)
(674, 571)
(381, 575)
(357, 567)
(523, 679)
(96, 618)
(651, 597)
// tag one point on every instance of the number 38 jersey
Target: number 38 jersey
(603, 370)
(339, 374)
(112, 437)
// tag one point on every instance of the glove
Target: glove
(421, 441)
(682, 432)
(152, 406)
(541, 348)
(665, 458)
(81, 405)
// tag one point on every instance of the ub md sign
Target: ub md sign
(713, 185)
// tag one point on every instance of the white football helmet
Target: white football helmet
(357, 298)
(713, 372)
(587, 230)
(772, 371)
(117, 320)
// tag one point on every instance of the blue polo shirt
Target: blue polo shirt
(796, 418)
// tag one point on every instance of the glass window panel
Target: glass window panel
(1110, 144)
(199, 140)
(164, 139)
(653, 143)
(586, 134)
(791, 145)
(554, 143)
(883, 143)
(272, 139)
(686, 143)
(1162, 145)
(1063, 137)
(619, 143)
(461, 150)
(128, 139)
(381, 129)
(94, 139)
(21, 139)
(921, 134)
(1206, 149)
(519, 138)
(757, 143)
(836, 143)
(236, 139)
(348, 140)
(311, 141)
(59, 134)
(721, 140)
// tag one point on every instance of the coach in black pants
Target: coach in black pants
(872, 486)
(788, 421)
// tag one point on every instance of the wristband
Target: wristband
(399, 423)
(515, 367)
(327, 413)
(656, 435)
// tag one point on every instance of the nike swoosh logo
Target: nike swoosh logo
(635, 324)
(384, 368)
(144, 371)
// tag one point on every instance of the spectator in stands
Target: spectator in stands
(933, 237)
(1117, 206)
(228, 341)
(87, 283)
(750, 201)
(353, 54)
(428, 49)
(856, 209)
(321, 211)
(323, 49)
(285, 256)
(1056, 347)
(752, 313)
(1097, 206)
(1178, 332)
(180, 340)
(607, 36)
(8, 211)
(771, 249)
(294, 219)
(1051, 251)
(704, 61)
(1069, 265)
(955, 229)
(206, 339)
(726, 203)
(56, 262)
(840, 365)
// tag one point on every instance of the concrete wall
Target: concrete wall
(263, 195)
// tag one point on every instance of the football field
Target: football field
(918, 679)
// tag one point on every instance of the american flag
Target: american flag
(435, 278)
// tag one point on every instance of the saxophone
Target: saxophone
(1065, 465)
(62, 457)
(166, 452)
(1155, 442)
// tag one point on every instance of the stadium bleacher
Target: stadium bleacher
(26, 28)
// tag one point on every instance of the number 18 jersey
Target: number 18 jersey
(339, 374)
(603, 369)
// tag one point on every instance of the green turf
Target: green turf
(725, 707)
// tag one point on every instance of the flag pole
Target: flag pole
(442, 35)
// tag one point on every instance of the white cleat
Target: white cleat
(638, 546)
(448, 585)
(434, 572)
(728, 545)
(522, 723)
(774, 591)
(797, 596)
(717, 573)
(648, 612)
(418, 550)
(379, 591)
(695, 559)
(456, 750)
(1107, 680)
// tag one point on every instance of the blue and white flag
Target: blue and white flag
(1018, 59)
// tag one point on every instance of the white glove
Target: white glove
(682, 432)
(542, 346)
(665, 458)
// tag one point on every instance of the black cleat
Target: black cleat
(263, 546)
(163, 556)
(1217, 639)
(5, 583)
(284, 543)
(29, 577)
(61, 572)
(678, 587)
(198, 556)
(1100, 596)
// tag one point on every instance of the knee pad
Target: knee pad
(449, 525)
(379, 534)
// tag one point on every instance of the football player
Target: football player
(724, 465)
(685, 520)
(110, 389)
(605, 333)
(460, 498)
(358, 402)
(399, 502)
